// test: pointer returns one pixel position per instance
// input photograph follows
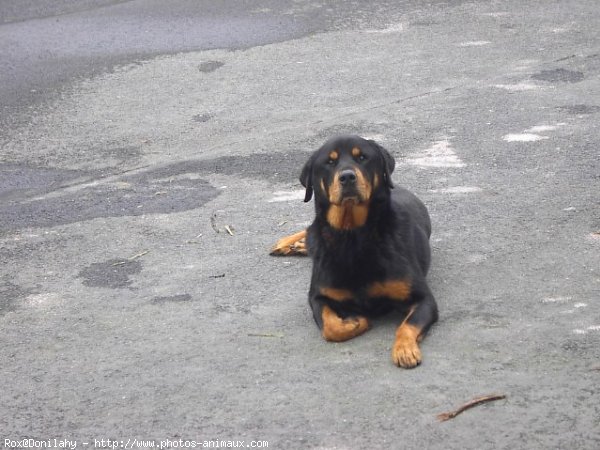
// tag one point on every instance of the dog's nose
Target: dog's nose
(347, 177)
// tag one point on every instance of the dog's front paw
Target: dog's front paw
(406, 353)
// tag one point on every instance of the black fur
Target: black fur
(393, 243)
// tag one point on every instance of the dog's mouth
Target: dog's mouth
(348, 213)
(349, 196)
(350, 201)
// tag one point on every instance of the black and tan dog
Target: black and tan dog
(369, 244)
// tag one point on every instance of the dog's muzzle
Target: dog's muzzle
(347, 178)
(348, 183)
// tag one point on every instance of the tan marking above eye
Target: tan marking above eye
(334, 155)
(356, 152)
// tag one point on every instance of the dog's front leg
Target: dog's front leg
(421, 316)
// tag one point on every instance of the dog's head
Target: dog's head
(345, 174)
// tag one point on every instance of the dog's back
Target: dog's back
(407, 204)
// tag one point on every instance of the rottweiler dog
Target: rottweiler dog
(369, 244)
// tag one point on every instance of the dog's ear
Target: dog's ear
(388, 163)
(306, 178)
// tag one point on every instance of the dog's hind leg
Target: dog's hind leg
(291, 245)
(333, 326)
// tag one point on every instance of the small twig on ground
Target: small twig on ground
(138, 255)
(229, 230)
(269, 335)
(131, 258)
(476, 401)
(194, 241)
(222, 275)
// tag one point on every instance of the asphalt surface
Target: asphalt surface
(149, 159)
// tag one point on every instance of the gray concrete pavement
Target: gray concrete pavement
(127, 310)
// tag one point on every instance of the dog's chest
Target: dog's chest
(361, 266)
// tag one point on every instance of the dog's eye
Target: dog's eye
(331, 162)
(362, 157)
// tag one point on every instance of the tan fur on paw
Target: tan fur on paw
(291, 245)
(406, 352)
(336, 329)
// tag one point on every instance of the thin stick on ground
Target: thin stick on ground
(476, 401)
(132, 258)
(267, 335)
(229, 230)
(139, 255)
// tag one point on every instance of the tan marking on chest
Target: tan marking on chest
(347, 217)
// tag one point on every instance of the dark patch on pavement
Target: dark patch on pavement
(110, 274)
(19, 180)
(172, 299)
(579, 109)
(10, 293)
(578, 346)
(210, 66)
(157, 191)
(559, 75)
(274, 167)
(201, 118)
